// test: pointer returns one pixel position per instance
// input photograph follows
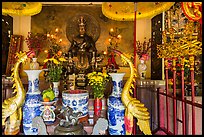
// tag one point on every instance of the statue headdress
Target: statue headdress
(82, 21)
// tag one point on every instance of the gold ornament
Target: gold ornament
(12, 107)
(189, 41)
(133, 107)
(182, 63)
(166, 63)
(174, 63)
(193, 10)
(186, 44)
(191, 60)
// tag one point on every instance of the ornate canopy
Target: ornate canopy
(124, 11)
(21, 8)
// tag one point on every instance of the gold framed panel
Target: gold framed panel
(14, 47)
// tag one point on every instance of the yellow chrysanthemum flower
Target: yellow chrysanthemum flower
(62, 59)
(46, 60)
(97, 81)
(55, 61)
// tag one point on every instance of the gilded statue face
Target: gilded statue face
(82, 30)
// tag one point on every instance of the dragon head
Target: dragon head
(23, 56)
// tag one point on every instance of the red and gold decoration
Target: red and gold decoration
(193, 10)
(124, 11)
(21, 8)
(187, 45)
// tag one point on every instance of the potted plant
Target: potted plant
(98, 82)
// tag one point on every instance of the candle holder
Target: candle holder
(115, 37)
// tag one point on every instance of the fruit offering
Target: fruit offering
(48, 95)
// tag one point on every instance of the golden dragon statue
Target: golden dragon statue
(12, 107)
(133, 107)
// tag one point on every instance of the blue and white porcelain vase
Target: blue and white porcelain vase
(77, 100)
(32, 104)
(116, 109)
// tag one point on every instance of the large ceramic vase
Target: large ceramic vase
(32, 104)
(78, 101)
(116, 109)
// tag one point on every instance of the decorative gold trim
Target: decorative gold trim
(192, 10)
(124, 11)
(191, 60)
(21, 8)
(187, 44)
(166, 62)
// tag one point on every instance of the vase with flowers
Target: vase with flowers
(35, 43)
(98, 82)
(143, 53)
(55, 66)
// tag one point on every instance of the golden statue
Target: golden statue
(12, 107)
(133, 106)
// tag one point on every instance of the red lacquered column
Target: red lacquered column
(167, 92)
(182, 96)
(191, 61)
(174, 94)
(135, 64)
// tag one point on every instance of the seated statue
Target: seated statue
(82, 55)
(83, 50)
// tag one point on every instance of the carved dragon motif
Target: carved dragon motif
(12, 107)
(133, 106)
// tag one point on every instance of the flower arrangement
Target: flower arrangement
(54, 66)
(35, 42)
(98, 81)
(143, 49)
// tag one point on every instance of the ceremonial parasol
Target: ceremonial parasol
(21, 8)
(124, 11)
